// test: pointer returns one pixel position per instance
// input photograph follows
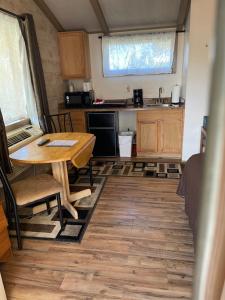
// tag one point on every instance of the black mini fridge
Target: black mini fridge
(104, 125)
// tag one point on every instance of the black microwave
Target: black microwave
(78, 99)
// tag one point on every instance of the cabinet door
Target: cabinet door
(147, 137)
(78, 121)
(160, 132)
(170, 134)
(74, 55)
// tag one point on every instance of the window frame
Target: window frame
(174, 61)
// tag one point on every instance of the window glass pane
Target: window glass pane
(16, 94)
(138, 54)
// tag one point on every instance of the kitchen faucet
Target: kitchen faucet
(160, 92)
(159, 100)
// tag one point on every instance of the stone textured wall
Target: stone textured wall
(48, 44)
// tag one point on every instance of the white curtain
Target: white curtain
(141, 54)
(16, 92)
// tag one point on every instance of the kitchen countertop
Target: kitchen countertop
(122, 109)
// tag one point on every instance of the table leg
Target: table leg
(78, 195)
(60, 173)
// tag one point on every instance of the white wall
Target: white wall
(201, 44)
(117, 87)
(185, 57)
(2, 290)
(127, 120)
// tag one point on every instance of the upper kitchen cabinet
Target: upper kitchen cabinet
(74, 55)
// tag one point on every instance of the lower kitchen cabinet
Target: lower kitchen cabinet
(160, 132)
(147, 137)
(78, 119)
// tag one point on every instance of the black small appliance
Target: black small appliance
(104, 125)
(79, 99)
(138, 97)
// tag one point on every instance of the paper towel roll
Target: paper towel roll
(176, 94)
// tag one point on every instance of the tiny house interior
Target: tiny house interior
(104, 135)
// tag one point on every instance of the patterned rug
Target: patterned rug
(36, 223)
(46, 226)
(129, 168)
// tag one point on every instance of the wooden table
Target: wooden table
(57, 156)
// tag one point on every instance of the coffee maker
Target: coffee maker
(138, 97)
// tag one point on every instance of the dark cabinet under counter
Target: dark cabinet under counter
(104, 125)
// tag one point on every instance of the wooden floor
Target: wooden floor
(138, 246)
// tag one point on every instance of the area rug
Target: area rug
(44, 226)
(129, 168)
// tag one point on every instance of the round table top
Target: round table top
(34, 154)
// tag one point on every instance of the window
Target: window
(151, 53)
(17, 100)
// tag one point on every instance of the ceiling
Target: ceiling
(74, 14)
(117, 15)
(139, 13)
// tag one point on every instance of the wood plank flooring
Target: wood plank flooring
(138, 246)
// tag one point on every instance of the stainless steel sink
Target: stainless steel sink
(156, 102)
(157, 105)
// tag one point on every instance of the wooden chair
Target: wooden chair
(25, 192)
(62, 123)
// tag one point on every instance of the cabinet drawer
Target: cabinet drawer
(159, 114)
(145, 116)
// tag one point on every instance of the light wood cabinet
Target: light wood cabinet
(78, 118)
(160, 132)
(147, 131)
(74, 54)
(79, 121)
(5, 245)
